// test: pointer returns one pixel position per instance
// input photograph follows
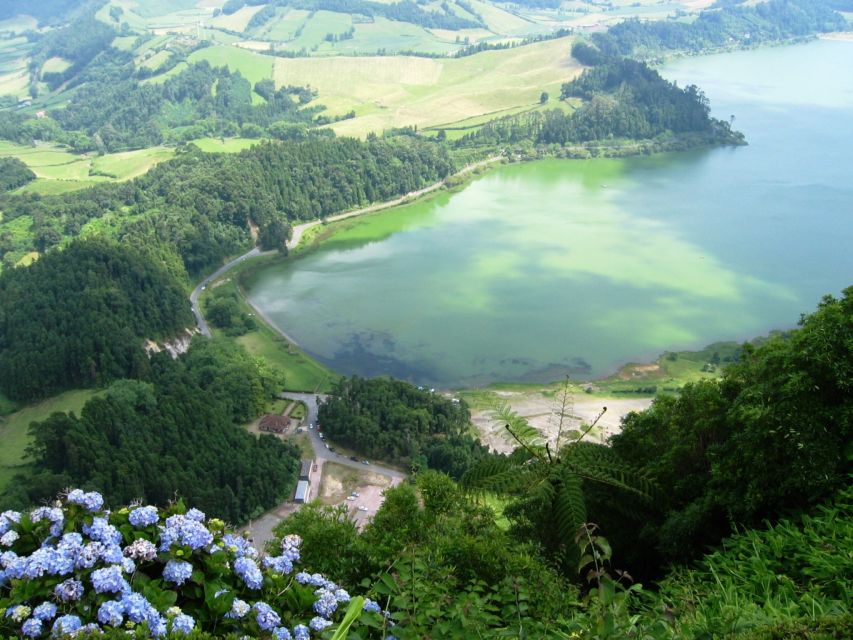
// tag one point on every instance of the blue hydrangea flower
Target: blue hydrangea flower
(318, 624)
(177, 571)
(45, 611)
(315, 580)
(9, 538)
(71, 540)
(102, 531)
(301, 632)
(87, 556)
(240, 547)
(128, 565)
(371, 606)
(195, 514)
(279, 564)
(182, 623)
(16, 567)
(66, 624)
(144, 516)
(141, 550)
(111, 554)
(32, 627)
(156, 623)
(136, 607)
(111, 613)
(239, 609)
(7, 519)
(281, 633)
(50, 561)
(91, 501)
(109, 580)
(182, 530)
(266, 618)
(341, 595)
(326, 604)
(18, 612)
(69, 591)
(249, 572)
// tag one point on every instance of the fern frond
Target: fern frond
(569, 505)
(496, 475)
(599, 463)
(526, 435)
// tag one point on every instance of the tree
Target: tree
(543, 97)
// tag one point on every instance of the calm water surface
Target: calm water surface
(544, 268)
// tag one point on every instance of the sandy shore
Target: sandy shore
(843, 36)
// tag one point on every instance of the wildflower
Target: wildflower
(45, 611)
(111, 613)
(301, 632)
(91, 501)
(111, 554)
(177, 571)
(69, 591)
(185, 531)
(136, 607)
(18, 612)
(182, 624)
(141, 550)
(318, 624)
(279, 564)
(7, 519)
(32, 627)
(66, 624)
(156, 623)
(249, 572)
(281, 633)
(266, 618)
(144, 516)
(239, 608)
(109, 580)
(9, 538)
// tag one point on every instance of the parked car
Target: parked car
(364, 462)
(350, 498)
(362, 508)
(356, 494)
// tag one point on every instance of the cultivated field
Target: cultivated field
(397, 91)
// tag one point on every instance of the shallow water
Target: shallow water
(544, 268)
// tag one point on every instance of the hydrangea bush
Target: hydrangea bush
(75, 567)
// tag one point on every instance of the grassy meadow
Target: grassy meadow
(14, 427)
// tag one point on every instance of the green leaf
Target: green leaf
(353, 612)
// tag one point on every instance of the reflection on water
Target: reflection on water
(555, 267)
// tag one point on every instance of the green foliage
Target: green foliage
(14, 174)
(175, 433)
(78, 317)
(395, 421)
(222, 309)
(772, 436)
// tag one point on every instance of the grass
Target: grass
(395, 91)
(238, 20)
(130, 164)
(253, 66)
(284, 27)
(14, 428)
(55, 65)
(224, 145)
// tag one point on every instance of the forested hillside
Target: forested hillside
(175, 429)
(202, 205)
(78, 317)
(622, 99)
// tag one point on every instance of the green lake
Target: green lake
(545, 268)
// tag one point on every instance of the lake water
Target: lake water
(535, 270)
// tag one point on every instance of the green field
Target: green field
(55, 65)
(224, 145)
(13, 428)
(238, 20)
(395, 91)
(253, 66)
(130, 164)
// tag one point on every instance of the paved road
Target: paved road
(202, 323)
(320, 450)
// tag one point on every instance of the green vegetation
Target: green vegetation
(14, 427)
(78, 317)
(14, 174)
(392, 420)
(173, 431)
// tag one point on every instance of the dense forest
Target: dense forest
(202, 205)
(622, 99)
(395, 421)
(14, 174)
(78, 317)
(176, 429)
(730, 25)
